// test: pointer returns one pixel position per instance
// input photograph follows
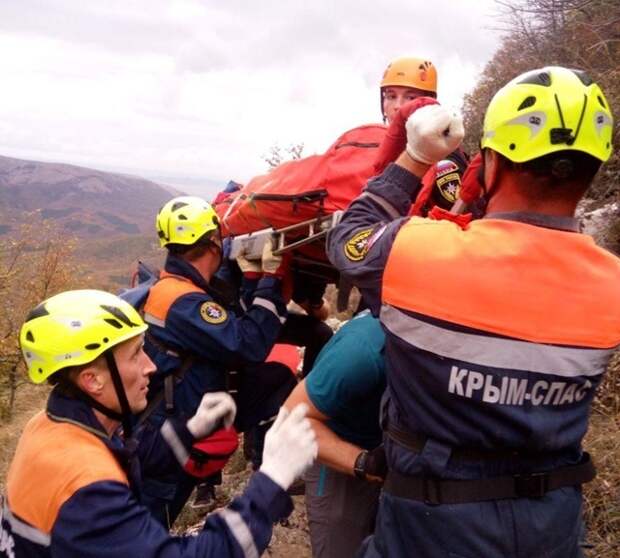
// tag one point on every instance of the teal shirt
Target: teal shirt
(348, 380)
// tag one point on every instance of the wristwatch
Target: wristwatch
(359, 468)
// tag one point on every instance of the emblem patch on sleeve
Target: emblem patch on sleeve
(357, 246)
(448, 180)
(212, 313)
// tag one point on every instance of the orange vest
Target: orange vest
(52, 462)
(163, 294)
(507, 278)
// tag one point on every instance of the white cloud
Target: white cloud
(191, 88)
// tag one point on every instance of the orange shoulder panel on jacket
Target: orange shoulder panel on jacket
(509, 278)
(163, 294)
(54, 460)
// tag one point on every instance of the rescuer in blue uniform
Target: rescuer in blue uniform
(194, 340)
(497, 332)
(73, 487)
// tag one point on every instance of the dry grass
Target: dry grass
(29, 400)
(602, 496)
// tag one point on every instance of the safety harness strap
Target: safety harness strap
(435, 491)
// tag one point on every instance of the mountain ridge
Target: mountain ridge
(84, 201)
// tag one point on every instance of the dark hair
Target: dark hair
(195, 250)
(558, 174)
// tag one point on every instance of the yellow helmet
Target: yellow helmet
(410, 72)
(184, 220)
(548, 110)
(74, 328)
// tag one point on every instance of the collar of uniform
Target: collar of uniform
(61, 408)
(178, 266)
(569, 224)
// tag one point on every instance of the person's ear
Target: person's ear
(491, 169)
(91, 380)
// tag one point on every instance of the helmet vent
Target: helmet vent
(601, 102)
(93, 346)
(37, 312)
(114, 323)
(537, 78)
(527, 102)
(182, 217)
(29, 336)
(584, 77)
(178, 205)
(119, 315)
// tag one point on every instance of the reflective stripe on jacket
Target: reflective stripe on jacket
(498, 334)
(67, 496)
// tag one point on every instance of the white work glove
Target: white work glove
(248, 266)
(433, 133)
(216, 410)
(290, 446)
(272, 264)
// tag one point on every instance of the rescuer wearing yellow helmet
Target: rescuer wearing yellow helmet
(498, 332)
(193, 330)
(73, 487)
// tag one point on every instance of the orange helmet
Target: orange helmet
(409, 72)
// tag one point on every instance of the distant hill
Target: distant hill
(86, 202)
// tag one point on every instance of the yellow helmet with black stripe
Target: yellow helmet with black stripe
(548, 110)
(185, 220)
(74, 328)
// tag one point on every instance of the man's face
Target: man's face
(396, 96)
(135, 367)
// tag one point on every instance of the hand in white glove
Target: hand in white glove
(216, 410)
(272, 264)
(248, 266)
(290, 446)
(433, 133)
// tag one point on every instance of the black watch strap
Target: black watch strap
(359, 468)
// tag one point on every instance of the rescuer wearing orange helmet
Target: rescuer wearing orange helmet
(405, 79)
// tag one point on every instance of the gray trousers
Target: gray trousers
(341, 511)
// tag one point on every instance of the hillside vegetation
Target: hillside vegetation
(83, 202)
(583, 34)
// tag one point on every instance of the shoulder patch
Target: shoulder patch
(358, 245)
(448, 180)
(212, 313)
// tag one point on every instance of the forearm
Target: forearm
(360, 244)
(409, 164)
(333, 450)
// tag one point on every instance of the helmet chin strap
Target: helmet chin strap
(125, 415)
(120, 394)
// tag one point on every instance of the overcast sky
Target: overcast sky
(197, 90)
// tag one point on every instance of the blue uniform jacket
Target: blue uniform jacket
(216, 338)
(69, 495)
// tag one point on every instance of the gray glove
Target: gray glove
(248, 266)
(271, 264)
(290, 446)
(216, 410)
(433, 133)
